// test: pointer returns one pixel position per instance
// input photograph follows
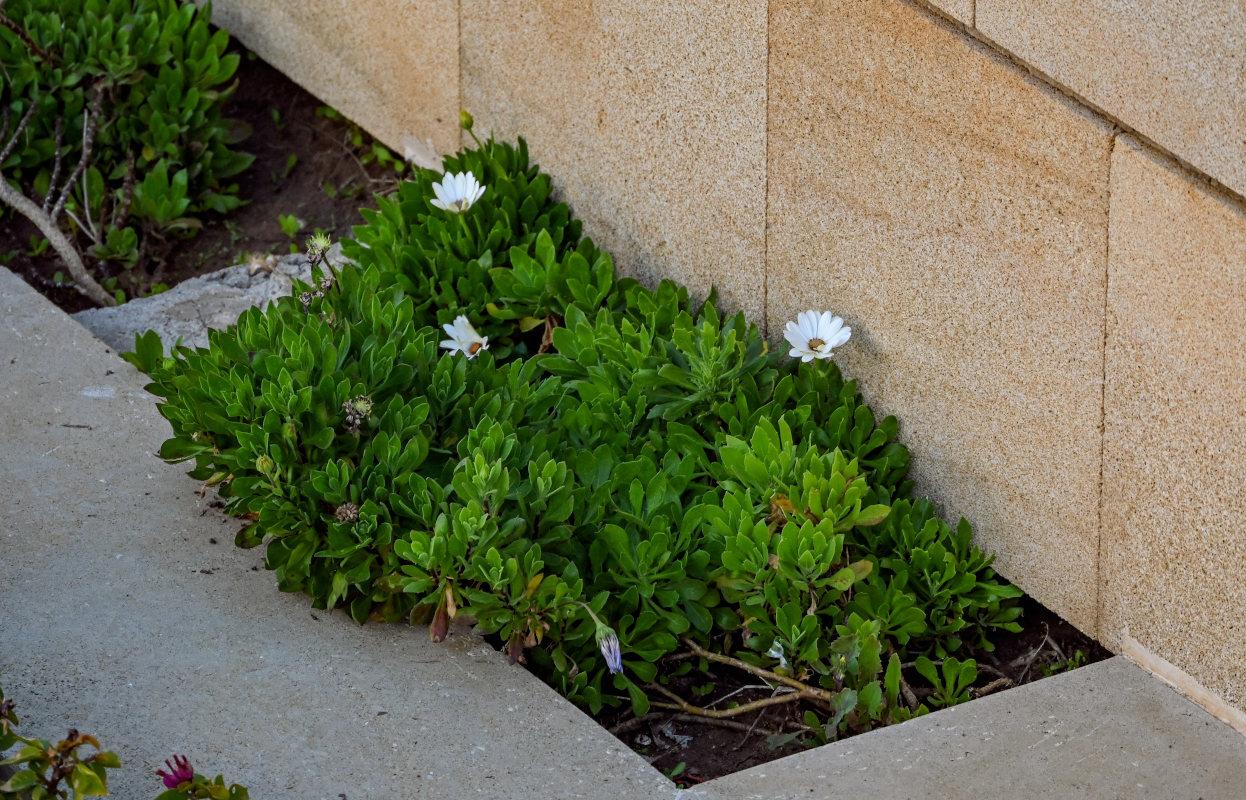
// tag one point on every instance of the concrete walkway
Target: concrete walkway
(126, 611)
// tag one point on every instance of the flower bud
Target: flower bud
(608, 641)
(465, 120)
(265, 465)
(440, 626)
(318, 244)
(514, 647)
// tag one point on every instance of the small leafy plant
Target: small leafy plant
(600, 474)
(39, 768)
(111, 125)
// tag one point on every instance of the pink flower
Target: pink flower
(178, 775)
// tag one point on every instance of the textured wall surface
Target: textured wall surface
(652, 116)
(390, 65)
(961, 10)
(1174, 71)
(955, 214)
(1174, 534)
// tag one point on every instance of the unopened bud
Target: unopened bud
(441, 623)
(608, 641)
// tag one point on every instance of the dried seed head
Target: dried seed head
(347, 512)
(357, 410)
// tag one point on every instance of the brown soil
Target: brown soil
(307, 164)
(693, 751)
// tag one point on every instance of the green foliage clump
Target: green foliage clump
(619, 459)
(139, 82)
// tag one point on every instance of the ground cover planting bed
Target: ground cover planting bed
(705, 540)
(629, 492)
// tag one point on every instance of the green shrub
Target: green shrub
(161, 152)
(619, 459)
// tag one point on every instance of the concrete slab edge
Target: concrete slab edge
(1183, 682)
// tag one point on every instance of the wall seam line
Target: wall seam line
(765, 222)
(458, 42)
(975, 34)
(1103, 390)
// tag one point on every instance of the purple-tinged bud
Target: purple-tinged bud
(608, 641)
(441, 623)
(514, 647)
(177, 775)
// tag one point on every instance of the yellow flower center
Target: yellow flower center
(816, 344)
(473, 348)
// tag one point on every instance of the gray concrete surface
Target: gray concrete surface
(186, 312)
(121, 616)
(1109, 731)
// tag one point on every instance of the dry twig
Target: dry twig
(17, 134)
(992, 687)
(64, 248)
(25, 37)
(812, 692)
(45, 220)
(632, 724)
(679, 704)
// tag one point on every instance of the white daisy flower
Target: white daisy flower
(464, 338)
(814, 335)
(457, 193)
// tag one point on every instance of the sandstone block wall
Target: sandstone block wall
(392, 66)
(955, 212)
(1173, 71)
(663, 158)
(1175, 421)
(1030, 213)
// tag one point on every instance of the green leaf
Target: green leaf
(20, 781)
(872, 515)
(86, 783)
(844, 579)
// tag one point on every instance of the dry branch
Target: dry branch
(812, 692)
(64, 248)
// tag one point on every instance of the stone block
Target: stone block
(185, 313)
(954, 212)
(651, 118)
(1105, 732)
(392, 66)
(1174, 535)
(1172, 71)
(960, 10)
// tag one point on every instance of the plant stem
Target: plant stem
(25, 37)
(679, 704)
(17, 133)
(88, 143)
(636, 722)
(802, 688)
(64, 248)
(56, 163)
